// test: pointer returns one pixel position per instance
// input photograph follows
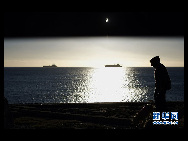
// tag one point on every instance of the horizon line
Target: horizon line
(102, 67)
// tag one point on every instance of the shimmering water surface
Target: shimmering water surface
(86, 85)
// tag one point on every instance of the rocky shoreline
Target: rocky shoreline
(115, 115)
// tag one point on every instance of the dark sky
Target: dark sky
(44, 24)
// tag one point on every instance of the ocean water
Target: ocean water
(87, 85)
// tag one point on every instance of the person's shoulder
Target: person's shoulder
(162, 66)
(163, 69)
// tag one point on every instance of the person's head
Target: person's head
(155, 61)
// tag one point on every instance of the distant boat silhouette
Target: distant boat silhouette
(113, 65)
(52, 66)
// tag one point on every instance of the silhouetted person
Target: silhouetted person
(162, 83)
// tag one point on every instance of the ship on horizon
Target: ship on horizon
(117, 65)
(52, 66)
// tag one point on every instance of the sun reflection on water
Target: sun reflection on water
(108, 84)
(114, 85)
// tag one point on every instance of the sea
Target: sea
(87, 85)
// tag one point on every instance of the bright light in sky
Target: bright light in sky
(93, 51)
(106, 20)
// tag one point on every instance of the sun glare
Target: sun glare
(106, 84)
(112, 85)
